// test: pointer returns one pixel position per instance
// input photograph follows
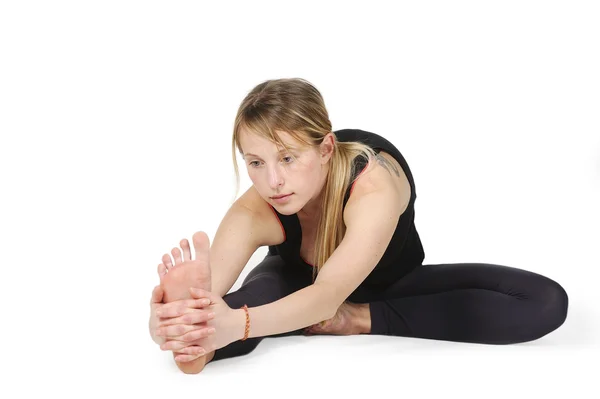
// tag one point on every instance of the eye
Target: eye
(290, 159)
(253, 164)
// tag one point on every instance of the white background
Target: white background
(116, 120)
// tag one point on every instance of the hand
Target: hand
(160, 336)
(182, 322)
(155, 304)
(228, 325)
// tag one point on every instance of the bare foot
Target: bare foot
(350, 319)
(176, 280)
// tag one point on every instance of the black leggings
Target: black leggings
(462, 302)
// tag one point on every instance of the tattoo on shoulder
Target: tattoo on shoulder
(387, 164)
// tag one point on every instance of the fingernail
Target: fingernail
(211, 330)
(206, 301)
(211, 315)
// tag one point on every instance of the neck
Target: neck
(312, 210)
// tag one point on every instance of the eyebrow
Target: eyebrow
(280, 151)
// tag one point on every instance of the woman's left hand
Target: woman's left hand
(228, 323)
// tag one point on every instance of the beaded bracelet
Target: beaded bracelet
(247, 331)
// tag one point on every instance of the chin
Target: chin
(286, 213)
(286, 209)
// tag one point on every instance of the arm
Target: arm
(300, 309)
(241, 232)
(371, 216)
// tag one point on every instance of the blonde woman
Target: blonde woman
(336, 209)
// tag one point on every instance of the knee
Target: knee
(559, 301)
(552, 309)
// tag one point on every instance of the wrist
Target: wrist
(239, 324)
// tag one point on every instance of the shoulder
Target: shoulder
(382, 177)
(267, 225)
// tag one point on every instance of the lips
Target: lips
(281, 196)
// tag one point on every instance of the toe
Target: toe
(166, 260)
(162, 270)
(185, 246)
(176, 255)
(202, 247)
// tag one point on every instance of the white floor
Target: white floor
(561, 364)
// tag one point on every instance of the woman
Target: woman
(337, 212)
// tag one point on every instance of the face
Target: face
(274, 172)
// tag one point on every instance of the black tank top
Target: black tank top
(404, 252)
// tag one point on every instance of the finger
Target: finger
(162, 270)
(176, 255)
(194, 350)
(166, 259)
(179, 308)
(175, 330)
(185, 245)
(157, 295)
(202, 247)
(200, 293)
(197, 334)
(194, 317)
(174, 345)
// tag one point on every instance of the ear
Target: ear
(326, 147)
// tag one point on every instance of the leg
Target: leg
(175, 281)
(470, 302)
(269, 281)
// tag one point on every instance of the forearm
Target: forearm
(223, 279)
(300, 309)
(234, 243)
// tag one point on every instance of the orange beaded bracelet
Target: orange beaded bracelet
(247, 331)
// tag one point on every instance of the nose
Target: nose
(275, 177)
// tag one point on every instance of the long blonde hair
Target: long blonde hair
(295, 106)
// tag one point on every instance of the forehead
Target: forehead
(255, 144)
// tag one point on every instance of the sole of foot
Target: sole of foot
(177, 277)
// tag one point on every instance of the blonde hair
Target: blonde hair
(296, 107)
